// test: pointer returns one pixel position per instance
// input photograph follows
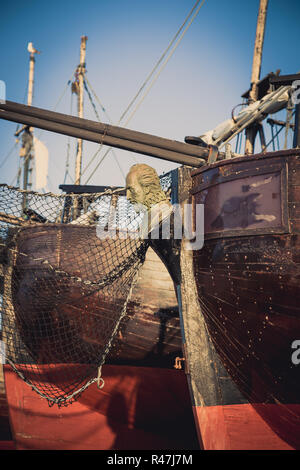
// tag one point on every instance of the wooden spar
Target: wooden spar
(119, 137)
(31, 78)
(26, 149)
(111, 141)
(256, 66)
(106, 129)
(81, 72)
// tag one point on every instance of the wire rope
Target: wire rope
(195, 8)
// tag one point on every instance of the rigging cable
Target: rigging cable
(162, 57)
(276, 135)
(96, 97)
(8, 154)
(101, 145)
(154, 69)
(68, 146)
(165, 63)
(16, 142)
(91, 99)
(59, 100)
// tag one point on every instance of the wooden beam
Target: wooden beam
(84, 189)
(104, 139)
(114, 136)
(283, 80)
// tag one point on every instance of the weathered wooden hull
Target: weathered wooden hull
(45, 299)
(248, 276)
(151, 334)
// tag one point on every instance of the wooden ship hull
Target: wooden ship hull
(247, 278)
(243, 383)
(149, 334)
(142, 386)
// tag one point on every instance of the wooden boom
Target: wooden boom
(147, 144)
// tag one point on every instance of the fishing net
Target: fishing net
(68, 266)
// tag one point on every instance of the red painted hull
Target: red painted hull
(7, 445)
(247, 277)
(138, 408)
(242, 427)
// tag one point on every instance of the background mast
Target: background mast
(256, 67)
(27, 134)
(80, 71)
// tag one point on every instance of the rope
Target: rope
(59, 100)
(101, 145)
(95, 95)
(157, 75)
(91, 99)
(76, 297)
(161, 59)
(91, 161)
(64, 401)
(100, 378)
(166, 61)
(8, 154)
(276, 135)
(68, 146)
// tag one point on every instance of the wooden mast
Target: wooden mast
(81, 72)
(251, 131)
(27, 138)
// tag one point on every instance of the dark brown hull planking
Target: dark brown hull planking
(248, 276)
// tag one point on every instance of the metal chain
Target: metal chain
(132, 265)
(65, 401)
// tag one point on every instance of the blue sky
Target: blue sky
(197, 89)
